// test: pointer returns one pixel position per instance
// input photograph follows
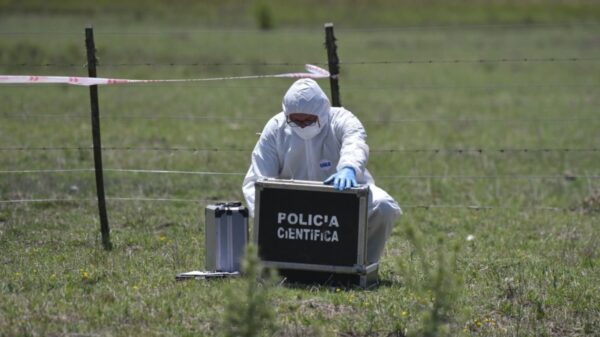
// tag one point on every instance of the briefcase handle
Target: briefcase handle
(229, 204)
(226, 207)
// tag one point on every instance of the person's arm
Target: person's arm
(265, 162)
(354, 152)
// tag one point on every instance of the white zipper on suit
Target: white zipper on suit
(308, 161)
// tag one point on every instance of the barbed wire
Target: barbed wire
(484, 120)
(482, 207)
(481, 150)
(246, 119)
(92, 199)
(364, 86)
(205, 201)
(126, 148)
(480, 60)
(46, 148)
(521, 86)
(208, 149)
(47, 171)
(568, 176)
(43, 200)
(473, 26)
(86, 115)
(342, 63)
(177, 172)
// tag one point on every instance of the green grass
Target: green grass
(528, 271)
(358, 13)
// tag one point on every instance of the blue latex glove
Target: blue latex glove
(343, 179)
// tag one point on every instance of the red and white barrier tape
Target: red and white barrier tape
(312, 72)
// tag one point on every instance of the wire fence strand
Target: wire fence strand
(550, 59)
(532, 120)
(459, 151)
(571, 177)
(476, 60)
(364, 86)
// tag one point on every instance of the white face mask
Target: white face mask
(308, 132)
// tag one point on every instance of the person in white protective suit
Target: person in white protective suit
(310, 140)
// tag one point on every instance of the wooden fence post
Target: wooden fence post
(334, 64)
(91, 63)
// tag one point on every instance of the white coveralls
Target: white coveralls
(341, 142)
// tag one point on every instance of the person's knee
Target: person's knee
(384, 212)
(388, 210)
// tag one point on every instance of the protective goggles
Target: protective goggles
(302, 121)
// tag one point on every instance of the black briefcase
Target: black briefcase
(313, 233)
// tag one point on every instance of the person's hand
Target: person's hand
(343, 179)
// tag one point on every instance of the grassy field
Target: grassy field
(456, 118)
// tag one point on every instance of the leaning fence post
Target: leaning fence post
(91, 63)
(334, 64)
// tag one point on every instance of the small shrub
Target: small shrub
(434, 280)
(249, 312)
(264, 16)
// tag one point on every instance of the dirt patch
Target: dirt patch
(328, 310)
(590, 204)
(297, 331)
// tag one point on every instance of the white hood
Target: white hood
(305, 96)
